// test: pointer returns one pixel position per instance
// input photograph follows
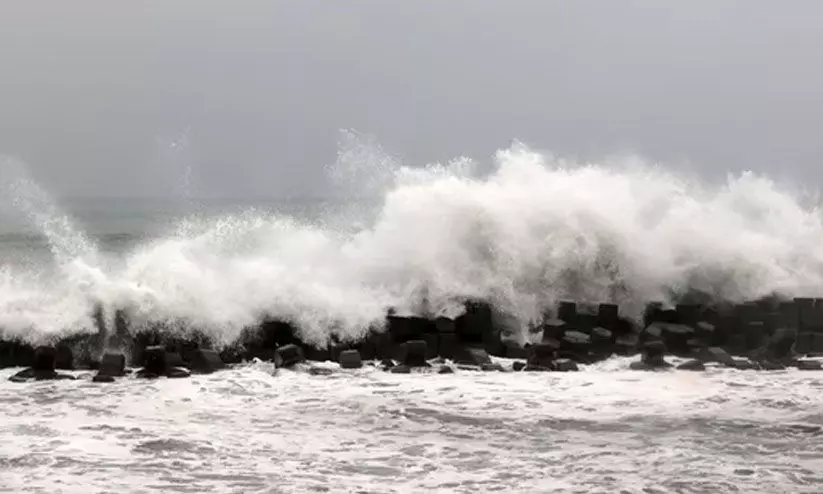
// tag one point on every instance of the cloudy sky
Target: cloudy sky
(94, 93)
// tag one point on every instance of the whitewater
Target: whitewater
(525, 231)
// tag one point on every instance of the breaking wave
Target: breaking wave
(533, 230)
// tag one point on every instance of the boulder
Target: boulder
(350, 359)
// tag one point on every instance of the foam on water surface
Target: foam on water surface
(604, 429)
(532, 231)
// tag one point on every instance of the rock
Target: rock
(64, 358)
(692, 365)
(405, 328)
(287, 356)
(768, 365)
(154, 361)
(113, 365)
(401, 369)
(43, 367)
(177, 372)
(808, 364)
(537, 368)
(543, 354)
(779, 346)
(413, 353)
(653, 354)
(608, 315)
(626, 344)
(554, 329)
(445, 325)
(515, 351)
(472, 356)
(575, 338)
(447, 344)
(567, 311)
(643, 366)
(320, 371)
(565, 365)
(350, 359)
(174, 359)
(205, 361)
(719, 355)
(432, 345)
(518, 366)
(45, 359)
(156, 364)
(652, 332)
(677, 337)
(601, 336)
(743, 364)
(492, 367)
(445, 369)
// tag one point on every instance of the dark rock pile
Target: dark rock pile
(768, 334)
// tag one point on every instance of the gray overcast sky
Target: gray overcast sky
(90, 90)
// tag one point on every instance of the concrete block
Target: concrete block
(288, 356)
(472, 356)
(565, 365)
(804, 343)
(112, 364)
(414, 353)
(692, 365)
(809, 365)
(789, 315)
(554, 328)
(688, 314)
(755, 332)
(445, 325)
(567, 311)
(447, 345)
(608, 315)
(515, 351)
(350, 359)
(817, 343)
(432, 345)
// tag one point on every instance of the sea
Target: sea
(525, 231)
